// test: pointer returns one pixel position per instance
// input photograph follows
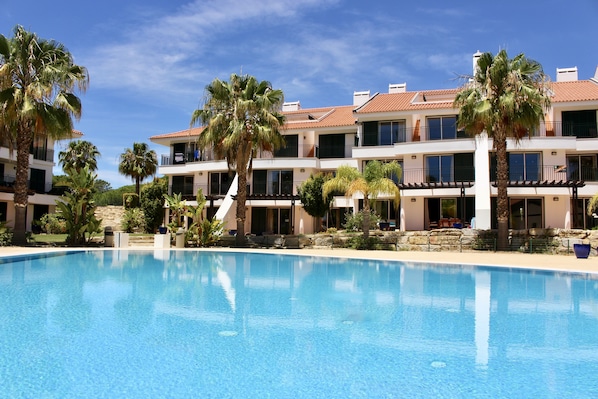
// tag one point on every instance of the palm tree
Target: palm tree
(80, 153)
(374, 181)
(241, 116)
(37, 81)
(138, 163)
(506, 98)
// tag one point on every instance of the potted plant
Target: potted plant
(162, 229)
(582, 251)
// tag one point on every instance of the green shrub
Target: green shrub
(362, 243)
(51, 223)
(354, 221)
(133, 219)
(5, 235)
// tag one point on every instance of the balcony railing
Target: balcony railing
(43, 154)
(426, 175)
(549, 173)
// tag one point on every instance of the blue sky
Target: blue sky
(150, 60)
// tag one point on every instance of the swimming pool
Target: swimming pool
(181, 324)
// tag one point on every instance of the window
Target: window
(39, 148)
(450, 168)
(444, 128)
(442, 210)
(291, 148)
(581, 219)
(384, 133)
(182, 185)
(220, 183)
(37, 182)
(391, 133)
(580, 124)
(331, 146)
(439, 168)
(525, 213)
(270, 221)
(273, 182)
(524, 167)
(581, 167)
(3, 211)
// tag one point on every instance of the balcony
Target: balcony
(549, 174)
(426, 175)
(43, 154)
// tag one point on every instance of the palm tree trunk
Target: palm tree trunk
(21, 197)
(366, 217)
(502, 206)
(241, 199)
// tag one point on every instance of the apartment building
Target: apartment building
(42, 199)
(448, 177)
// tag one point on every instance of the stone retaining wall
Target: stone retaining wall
(111, 215)
(450, 239)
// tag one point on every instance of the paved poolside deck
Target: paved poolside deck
(501, 259)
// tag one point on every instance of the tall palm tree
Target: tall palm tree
(375, 180)
(507, 99)
(79, 153)
(37, 82)
(241, 117)
(138, 163)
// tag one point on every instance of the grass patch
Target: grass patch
(48, 238)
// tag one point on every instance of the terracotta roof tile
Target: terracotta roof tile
(579, 90)
(193, 132)
(313, 118)
(409, 101)
(325, 117)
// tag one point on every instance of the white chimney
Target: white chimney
(566, 74)
(476, 57)
(397, 88)
(360, 97)
(291, 106)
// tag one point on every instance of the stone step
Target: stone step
(141, 241)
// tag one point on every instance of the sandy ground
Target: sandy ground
(501, 259)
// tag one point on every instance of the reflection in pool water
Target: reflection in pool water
(210, 324)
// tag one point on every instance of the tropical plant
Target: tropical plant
(77, 207)
(78, 154)
(506, 99)
(241, 116)
(205, 231)
(178, 208)
(38, 78)
(593, 205)
(138, 163)
(374, 181)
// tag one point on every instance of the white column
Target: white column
(482, 183)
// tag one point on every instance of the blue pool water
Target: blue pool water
(187, 324)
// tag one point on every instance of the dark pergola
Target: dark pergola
(427, 185)
(276, 197)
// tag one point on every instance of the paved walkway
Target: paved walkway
(501, 259)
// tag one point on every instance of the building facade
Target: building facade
(42, 198)
(448, 177)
